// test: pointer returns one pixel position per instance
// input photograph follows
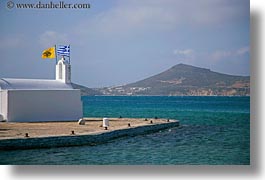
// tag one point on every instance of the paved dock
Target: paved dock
(50, 129)
(15, 136)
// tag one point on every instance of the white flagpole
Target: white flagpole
(55, 54)
(69, 55)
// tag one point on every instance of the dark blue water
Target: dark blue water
(214, 130)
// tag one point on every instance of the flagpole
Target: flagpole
(69, 55)
(55, 54)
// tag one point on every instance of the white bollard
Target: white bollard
(105, 122)
(81, 122)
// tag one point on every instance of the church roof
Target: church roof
(33, 84)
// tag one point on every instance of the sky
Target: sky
(116, 42)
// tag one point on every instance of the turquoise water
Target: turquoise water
(214, 130)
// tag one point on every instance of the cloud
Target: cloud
(214, 58)
(174, 12)
(49, 38)
(221, 54)
(154, 15)
(217, 55)
(188, 56)
(185, 52)
(242, 51)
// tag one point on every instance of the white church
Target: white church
(39, 100)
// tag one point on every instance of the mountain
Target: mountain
(85, 91)
(185, 80)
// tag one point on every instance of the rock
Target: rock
(81, 122)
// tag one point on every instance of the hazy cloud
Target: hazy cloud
(221, 54)
(185, 52)
(49, 38)
(213, 58)
(155, 15)
(242, 51)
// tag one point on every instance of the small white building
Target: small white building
(38, 100)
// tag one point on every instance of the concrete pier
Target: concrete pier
(62, 134)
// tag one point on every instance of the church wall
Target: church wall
(3, 103)
(44, 105)
(0, 101)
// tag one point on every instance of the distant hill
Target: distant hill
(85, 91)
(185, 80)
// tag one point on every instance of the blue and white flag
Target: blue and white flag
(63, 50)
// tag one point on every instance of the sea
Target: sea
(214, 130)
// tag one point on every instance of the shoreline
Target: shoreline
(89, 134)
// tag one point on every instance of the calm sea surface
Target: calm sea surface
(214, 130)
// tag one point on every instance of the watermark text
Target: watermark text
(47, 5)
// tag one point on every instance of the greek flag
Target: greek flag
(63, 50)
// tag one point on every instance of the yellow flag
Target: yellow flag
(48, 53)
